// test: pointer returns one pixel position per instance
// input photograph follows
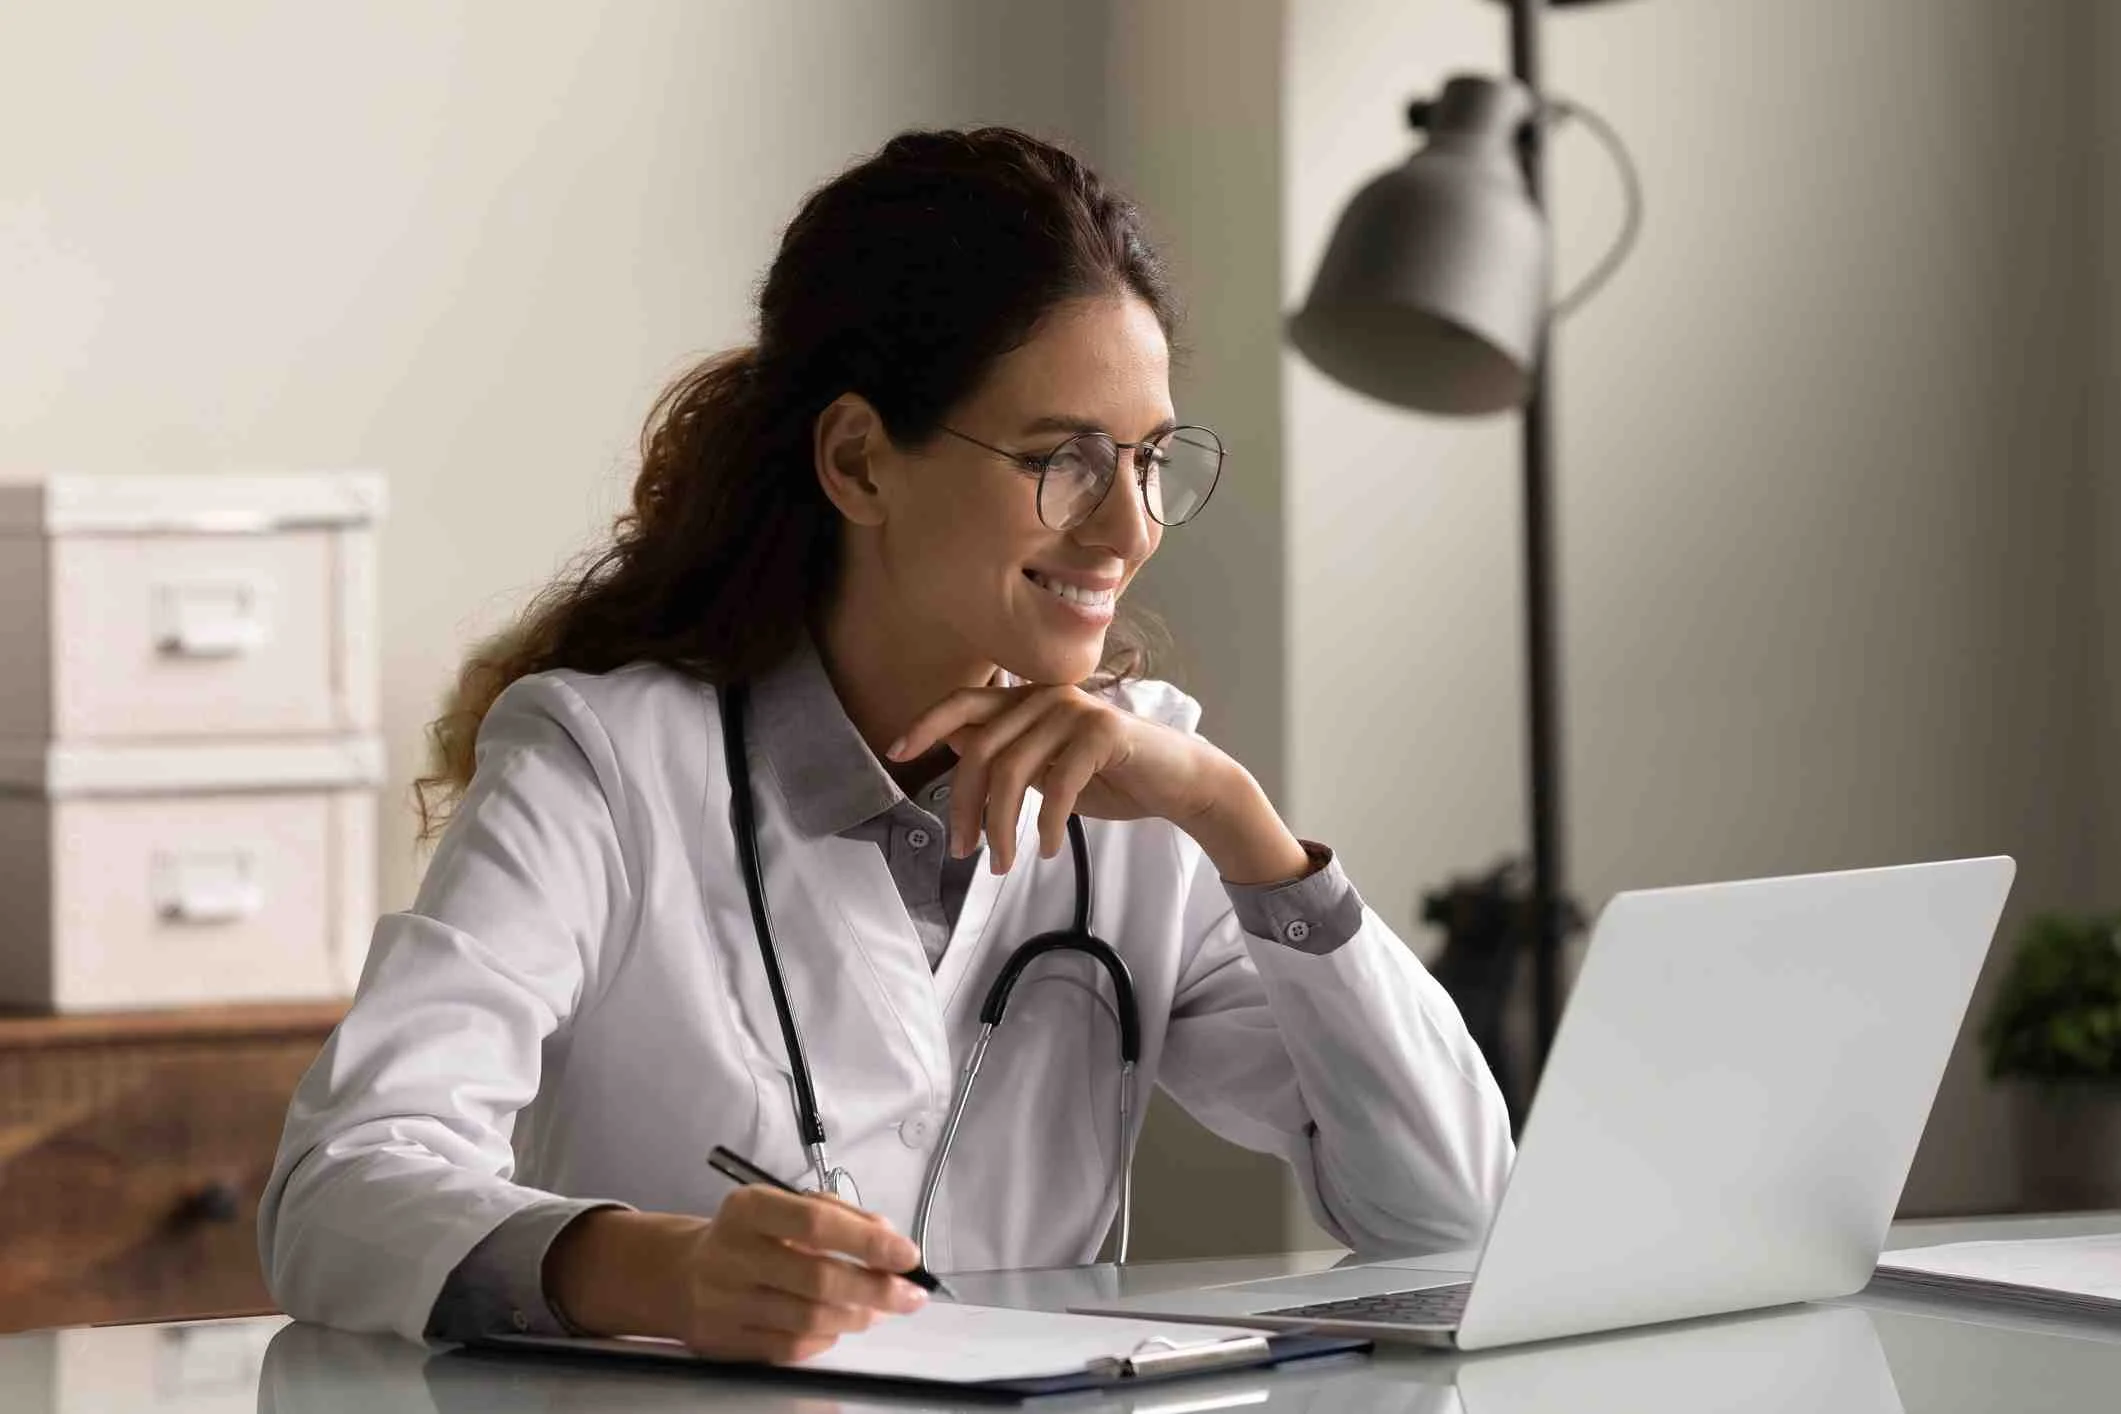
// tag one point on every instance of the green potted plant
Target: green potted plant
(2055, 1027)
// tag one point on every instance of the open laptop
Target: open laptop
(1725, 1121)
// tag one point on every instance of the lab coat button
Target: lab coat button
(1296, 931)
(522, 1322)
(918, 838)
(913, 1133)
(940, 794)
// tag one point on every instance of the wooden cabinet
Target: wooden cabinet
(133, 1149)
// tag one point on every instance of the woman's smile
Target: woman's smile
(1087, 600)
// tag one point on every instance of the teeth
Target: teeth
(1092, 598)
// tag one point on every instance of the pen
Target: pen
(735, 1166)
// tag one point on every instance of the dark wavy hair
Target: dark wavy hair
(904, 280)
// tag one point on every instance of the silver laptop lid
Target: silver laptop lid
(1734, 1097)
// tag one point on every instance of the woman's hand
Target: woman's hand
(758, 1281)
(1088, 755)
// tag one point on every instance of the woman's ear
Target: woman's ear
(845, 444)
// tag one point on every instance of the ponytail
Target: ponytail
(728, 548)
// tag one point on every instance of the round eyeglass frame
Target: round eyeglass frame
(1038, 465)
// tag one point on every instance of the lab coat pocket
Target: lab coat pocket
(773, 1142)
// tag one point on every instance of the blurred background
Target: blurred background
(1839, 525)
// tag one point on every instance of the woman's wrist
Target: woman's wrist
(1244, 836)
(613, 1271)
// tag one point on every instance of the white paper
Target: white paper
(956, 1343)
(2079, 1266)
(946, 1341)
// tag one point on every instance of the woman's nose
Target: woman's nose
(1122, 523)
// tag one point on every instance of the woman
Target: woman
(902, 523)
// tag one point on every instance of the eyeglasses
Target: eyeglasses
(1176, 470)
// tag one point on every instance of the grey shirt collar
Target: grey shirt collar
(832, 779)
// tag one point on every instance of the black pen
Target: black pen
(736, 1167)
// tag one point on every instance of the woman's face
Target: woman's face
(962, 543)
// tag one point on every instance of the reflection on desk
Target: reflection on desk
(1795, 1359)
(1814, 1358)
(1810, 1359)
(1878, 1354)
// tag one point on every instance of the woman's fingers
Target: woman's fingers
(769, 1286)
(1063, 784)
(821, 1226)
(963, 708)
(978, 748)
(732, 1329)
(1019, 764)
(766, 1309)
(827, 1281)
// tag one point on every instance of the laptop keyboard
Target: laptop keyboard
(1430, 1306)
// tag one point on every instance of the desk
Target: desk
(1874, 1354)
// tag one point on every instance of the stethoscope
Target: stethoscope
(1077, 937)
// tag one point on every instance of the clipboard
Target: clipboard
(1173, 1353)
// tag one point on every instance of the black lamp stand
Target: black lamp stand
(1541, 611)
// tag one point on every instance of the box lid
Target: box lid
(72, 771)
(85, 504)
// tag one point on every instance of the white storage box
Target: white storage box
(171, 608)
(186, 876)
(188, 757)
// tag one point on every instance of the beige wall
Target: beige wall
(463, 243)
(2104, 59)
(1193, 130)
(1825, 547)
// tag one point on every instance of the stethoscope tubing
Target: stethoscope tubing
(810, 1123)
(810, 1126)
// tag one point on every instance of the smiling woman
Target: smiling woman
(716, 812)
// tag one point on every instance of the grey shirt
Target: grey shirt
(836, 786)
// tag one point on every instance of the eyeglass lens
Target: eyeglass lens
(1177, 473)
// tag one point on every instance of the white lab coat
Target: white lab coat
(575, 1005)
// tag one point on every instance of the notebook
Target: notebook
(2080, 1275)
(995, 1349)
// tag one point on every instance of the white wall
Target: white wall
(1825, 532)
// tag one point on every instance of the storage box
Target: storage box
(169, 608)
(185, 877)
(188, 757)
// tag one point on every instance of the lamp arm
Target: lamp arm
(1560, 110)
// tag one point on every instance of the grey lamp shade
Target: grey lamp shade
(1433, 291)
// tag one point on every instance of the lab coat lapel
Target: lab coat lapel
(880, 933)
(989, 899)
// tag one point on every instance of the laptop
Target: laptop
(1725, 1121)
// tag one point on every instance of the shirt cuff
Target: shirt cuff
(1314, 914)
(499, 1287)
